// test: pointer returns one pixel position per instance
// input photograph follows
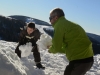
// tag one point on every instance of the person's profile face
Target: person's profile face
(29, 30)
(52, 18)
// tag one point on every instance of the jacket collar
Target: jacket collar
(58, 20)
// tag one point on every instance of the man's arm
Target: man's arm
(22, 37)
(37, 34)
(57, 40)
(17, 51)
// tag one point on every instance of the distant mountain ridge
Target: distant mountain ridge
(10, 28)
(29, 19)
(96, 37)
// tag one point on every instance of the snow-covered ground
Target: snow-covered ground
(55, 64)
(11, 64)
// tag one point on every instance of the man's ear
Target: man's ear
(56, 17)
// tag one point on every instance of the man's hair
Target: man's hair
(31, 25)
(58, 12)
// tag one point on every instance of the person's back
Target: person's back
(76, 43)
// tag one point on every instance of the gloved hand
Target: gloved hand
(39, 65)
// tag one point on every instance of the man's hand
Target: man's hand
(48, 47)
(49, 51)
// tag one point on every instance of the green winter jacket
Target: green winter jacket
(71, 39)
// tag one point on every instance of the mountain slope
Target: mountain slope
(29, 19)
(10, 28)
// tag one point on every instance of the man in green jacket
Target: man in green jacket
(71, 39)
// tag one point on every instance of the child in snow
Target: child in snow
(30, 34)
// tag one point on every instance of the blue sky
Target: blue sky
(84, 12)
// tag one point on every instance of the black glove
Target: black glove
(39, 65)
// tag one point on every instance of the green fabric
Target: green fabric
(71, 39)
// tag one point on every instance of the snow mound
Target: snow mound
(44, 41)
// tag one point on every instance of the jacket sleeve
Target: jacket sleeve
(57, 40)
(21, 36)
(37, 35)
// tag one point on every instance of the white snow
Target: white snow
(26, 49)
(44, 41)
(11, 64)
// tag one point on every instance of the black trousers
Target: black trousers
(78, 67)
(35, 51)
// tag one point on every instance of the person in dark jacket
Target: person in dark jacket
(30, 34)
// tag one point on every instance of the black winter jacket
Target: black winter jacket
(33, 37)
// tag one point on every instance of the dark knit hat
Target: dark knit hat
(31, 25)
